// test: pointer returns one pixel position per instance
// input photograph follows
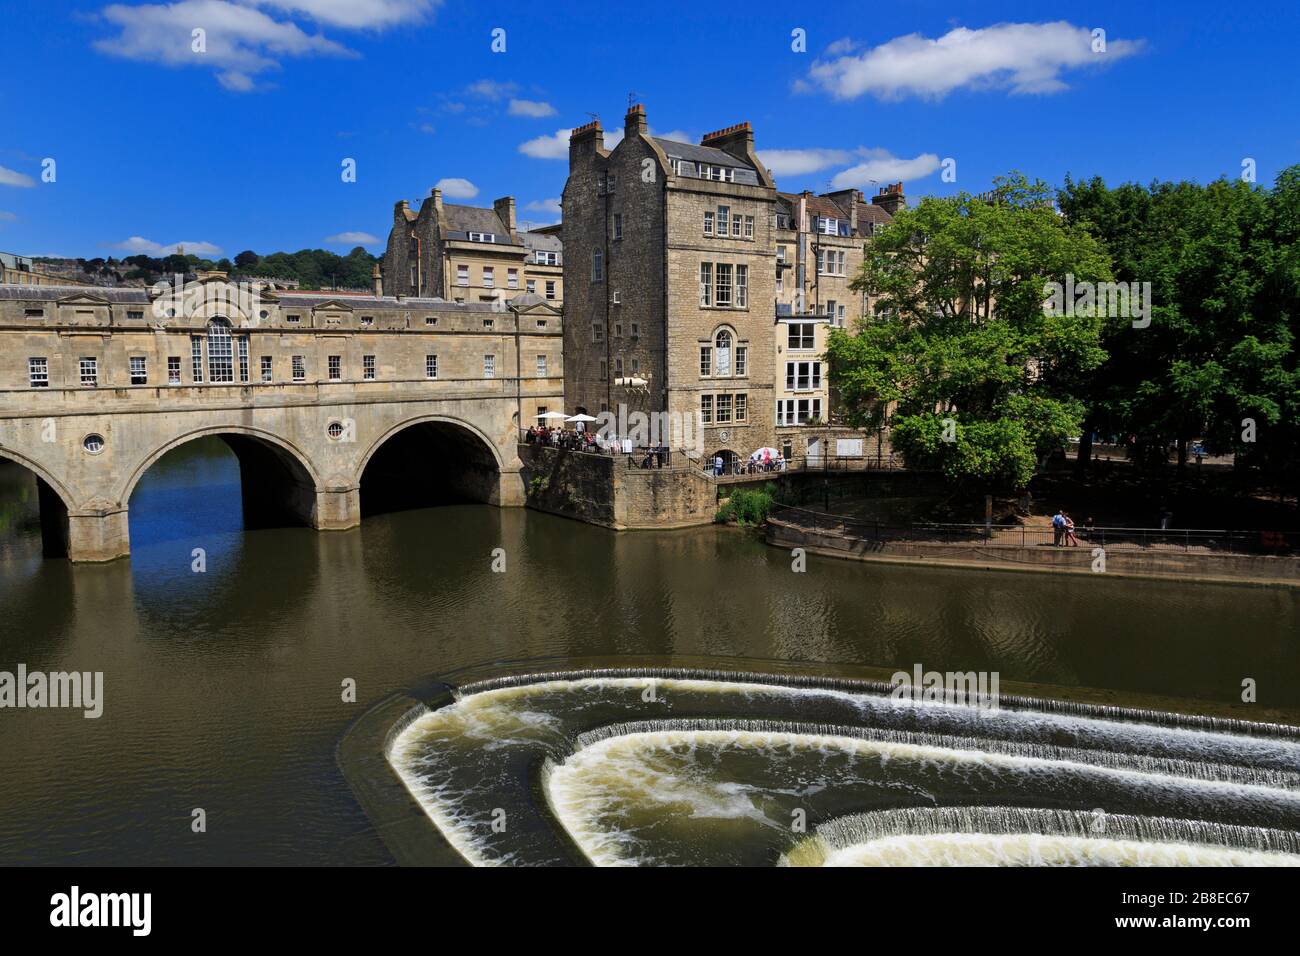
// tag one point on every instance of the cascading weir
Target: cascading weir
(676, 767)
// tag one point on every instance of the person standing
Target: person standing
(1070, 539)
(1058, 528)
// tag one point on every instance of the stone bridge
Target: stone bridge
(439, 412)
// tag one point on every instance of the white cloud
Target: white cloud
(881, 166)
(676, 135)
(11, 177)
(457, 188)
(797, 162)
(138, 245)
(531, 108)
(7, 216)
(556, 146)
(491, 89)
(352, 239)
(1022, 57)
(357, 14)
(549, 206)
(842, 46)
(241, 42)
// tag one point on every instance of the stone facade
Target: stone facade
(603, 490)
(97, 384)
(821, 243)
(672, 284)
(648, 226)
(468, 254)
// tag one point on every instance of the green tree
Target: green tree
(972, 374)
(1220, 347)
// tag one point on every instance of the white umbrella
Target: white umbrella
(757, 455)
(551, 415)
(581, 418)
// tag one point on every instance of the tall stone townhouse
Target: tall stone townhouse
(692, 286)
(470, 254)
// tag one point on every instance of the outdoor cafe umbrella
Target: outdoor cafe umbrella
(758, 455)
(551, 415)
(581, 418)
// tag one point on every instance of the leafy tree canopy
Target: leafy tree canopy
(975, 377)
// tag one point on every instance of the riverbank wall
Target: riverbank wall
(1251, 569)
(603, 490)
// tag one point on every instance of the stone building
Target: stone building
(696, 288)
(468, 254)
(820, 245)
(316, 393)
(669, 273)
(24, 270)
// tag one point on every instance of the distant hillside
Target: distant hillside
(311, 268)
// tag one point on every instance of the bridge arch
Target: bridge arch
(53, 500)
(429, 459)
(279, 482)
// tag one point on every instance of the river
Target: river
(223, 689)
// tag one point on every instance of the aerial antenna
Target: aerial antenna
(594, 116)
(631, 100)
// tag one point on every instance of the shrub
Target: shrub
(748, 506)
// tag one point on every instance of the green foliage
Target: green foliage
(748, 505)
(312, 268)
(315, 268)
(1225, 273)
(963, 335)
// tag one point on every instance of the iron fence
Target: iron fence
(1209, 541)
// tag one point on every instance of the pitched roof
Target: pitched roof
(871, 214)
(53, 293)
(467, 219)
(709, 156)
(547, 242)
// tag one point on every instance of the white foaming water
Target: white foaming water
(617, 796)
(1038, 849)
(600, 791)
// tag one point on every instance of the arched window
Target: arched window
(722, 353)
(220, 354)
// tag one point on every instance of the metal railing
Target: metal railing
(747, 471)
(1188, 540)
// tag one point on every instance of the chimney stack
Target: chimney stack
(436, 195)
(635, 122)
(505, 208)
(377, 280)
(737, 140)
(589, 137)
(890, 199)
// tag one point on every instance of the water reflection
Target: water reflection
(223, 688)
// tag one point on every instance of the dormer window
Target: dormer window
(722, 174)
(482, 237)
(828, 226)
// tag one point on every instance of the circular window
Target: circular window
(335, 429)
(263, 314)
(93, 444)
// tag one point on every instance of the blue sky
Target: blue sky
(241, 145)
